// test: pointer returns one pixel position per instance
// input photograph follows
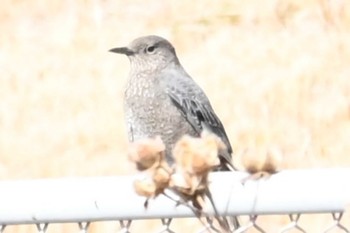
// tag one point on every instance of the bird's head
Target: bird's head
(149, 53)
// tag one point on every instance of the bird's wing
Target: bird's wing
(196, 108)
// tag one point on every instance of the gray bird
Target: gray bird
(162, 99)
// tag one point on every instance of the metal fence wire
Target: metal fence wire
(295, 194)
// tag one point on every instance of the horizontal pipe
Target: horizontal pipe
(113, 198)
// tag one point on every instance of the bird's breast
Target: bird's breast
(149, 112)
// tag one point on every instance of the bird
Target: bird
(162, 99)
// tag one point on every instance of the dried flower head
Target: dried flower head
(146, 153)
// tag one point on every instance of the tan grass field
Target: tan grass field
(277, 73)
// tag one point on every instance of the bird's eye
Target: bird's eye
(150, 49)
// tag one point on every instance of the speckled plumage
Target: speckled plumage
(162, 99)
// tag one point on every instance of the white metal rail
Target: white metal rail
(113, 198)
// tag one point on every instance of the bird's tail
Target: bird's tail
(225, 165)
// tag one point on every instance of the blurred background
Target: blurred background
(277, 73)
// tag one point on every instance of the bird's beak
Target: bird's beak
(122, 50)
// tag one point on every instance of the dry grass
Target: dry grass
(277, 73)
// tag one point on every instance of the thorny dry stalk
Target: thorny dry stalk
(149, 157)
(188, 177)
(194, 159)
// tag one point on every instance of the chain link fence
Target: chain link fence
(294, 194)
